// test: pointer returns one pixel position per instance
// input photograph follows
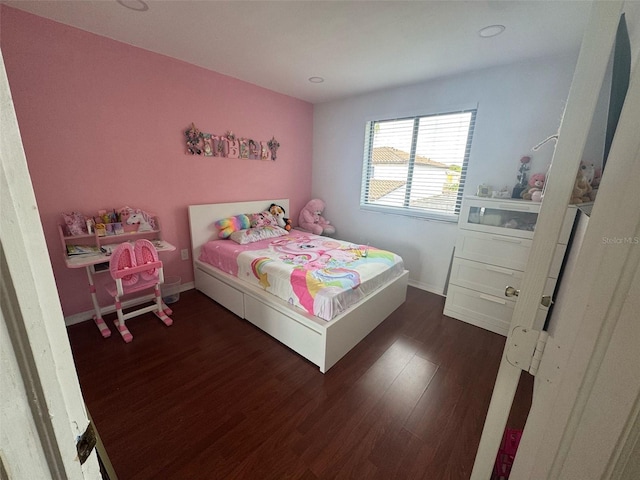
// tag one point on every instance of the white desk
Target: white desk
(99, 262)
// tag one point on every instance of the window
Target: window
(417, 165)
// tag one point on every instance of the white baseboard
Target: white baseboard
(426, 287)
(88, 315)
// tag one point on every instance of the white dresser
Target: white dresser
(494, 238)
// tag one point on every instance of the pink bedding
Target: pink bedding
(321, 275)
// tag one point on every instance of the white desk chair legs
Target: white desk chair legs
(136, 269)
(156, 308)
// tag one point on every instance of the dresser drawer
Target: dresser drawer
(489, 279)
(514, 218)
(509, 252)
(487, 311)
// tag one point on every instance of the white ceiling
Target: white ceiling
(356, 46)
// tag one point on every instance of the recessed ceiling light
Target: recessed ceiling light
(137, 5)
(491, 31)
(316, 79)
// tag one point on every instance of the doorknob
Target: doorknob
(511, 292)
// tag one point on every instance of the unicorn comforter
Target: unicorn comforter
(320, 275)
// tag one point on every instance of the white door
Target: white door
(41, 407)
(581, 105)
(584, 421)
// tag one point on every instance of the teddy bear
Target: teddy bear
(536, 183)
(595, 184)
(279, 212)
(311, 219)
(582, 186)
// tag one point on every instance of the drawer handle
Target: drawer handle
(493, 299)
(506, 240)
(498, 270)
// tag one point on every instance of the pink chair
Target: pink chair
(136, 268)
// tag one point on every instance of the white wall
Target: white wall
(632, 12)
(518, 106)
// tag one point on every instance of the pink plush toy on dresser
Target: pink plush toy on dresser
(311, 219)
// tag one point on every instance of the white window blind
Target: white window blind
(417, 165)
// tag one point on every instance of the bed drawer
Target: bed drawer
(224, 294)
(292, 333)
(487, 311)
(489, 279)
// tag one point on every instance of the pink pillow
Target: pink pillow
(251, 235)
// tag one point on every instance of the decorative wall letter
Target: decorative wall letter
(229, 146)
(273, 147)
(208, 145)
(194, 140)
(244, 148)
(254, 151)
(233, 146)
(265, 153)
(220, 146)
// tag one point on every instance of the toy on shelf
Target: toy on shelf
(582, 186)
(311, 219)
(595, 184)
(137, 219)
(142, 219)
(503, 193)
(536, 185)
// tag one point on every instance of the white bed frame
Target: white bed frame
(321, 342)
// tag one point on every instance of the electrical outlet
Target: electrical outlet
(184, 254)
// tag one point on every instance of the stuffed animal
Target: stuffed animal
(595, 184)
(582, 187)
(279, 212)
(311, 219)
(589, 171)
(536, 183)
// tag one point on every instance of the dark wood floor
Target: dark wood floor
(213, 397)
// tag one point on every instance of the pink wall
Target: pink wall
(102, 125)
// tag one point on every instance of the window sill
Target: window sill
(412, 213)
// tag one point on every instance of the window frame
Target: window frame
(367, 165)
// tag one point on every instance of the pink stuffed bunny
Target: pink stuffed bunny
(311, 218)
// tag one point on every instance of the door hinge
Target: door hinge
(526, 348)
(86, 443)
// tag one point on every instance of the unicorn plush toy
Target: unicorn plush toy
(145, 221)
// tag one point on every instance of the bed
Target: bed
(322, 341)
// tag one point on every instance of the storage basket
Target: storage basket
(170, 290)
